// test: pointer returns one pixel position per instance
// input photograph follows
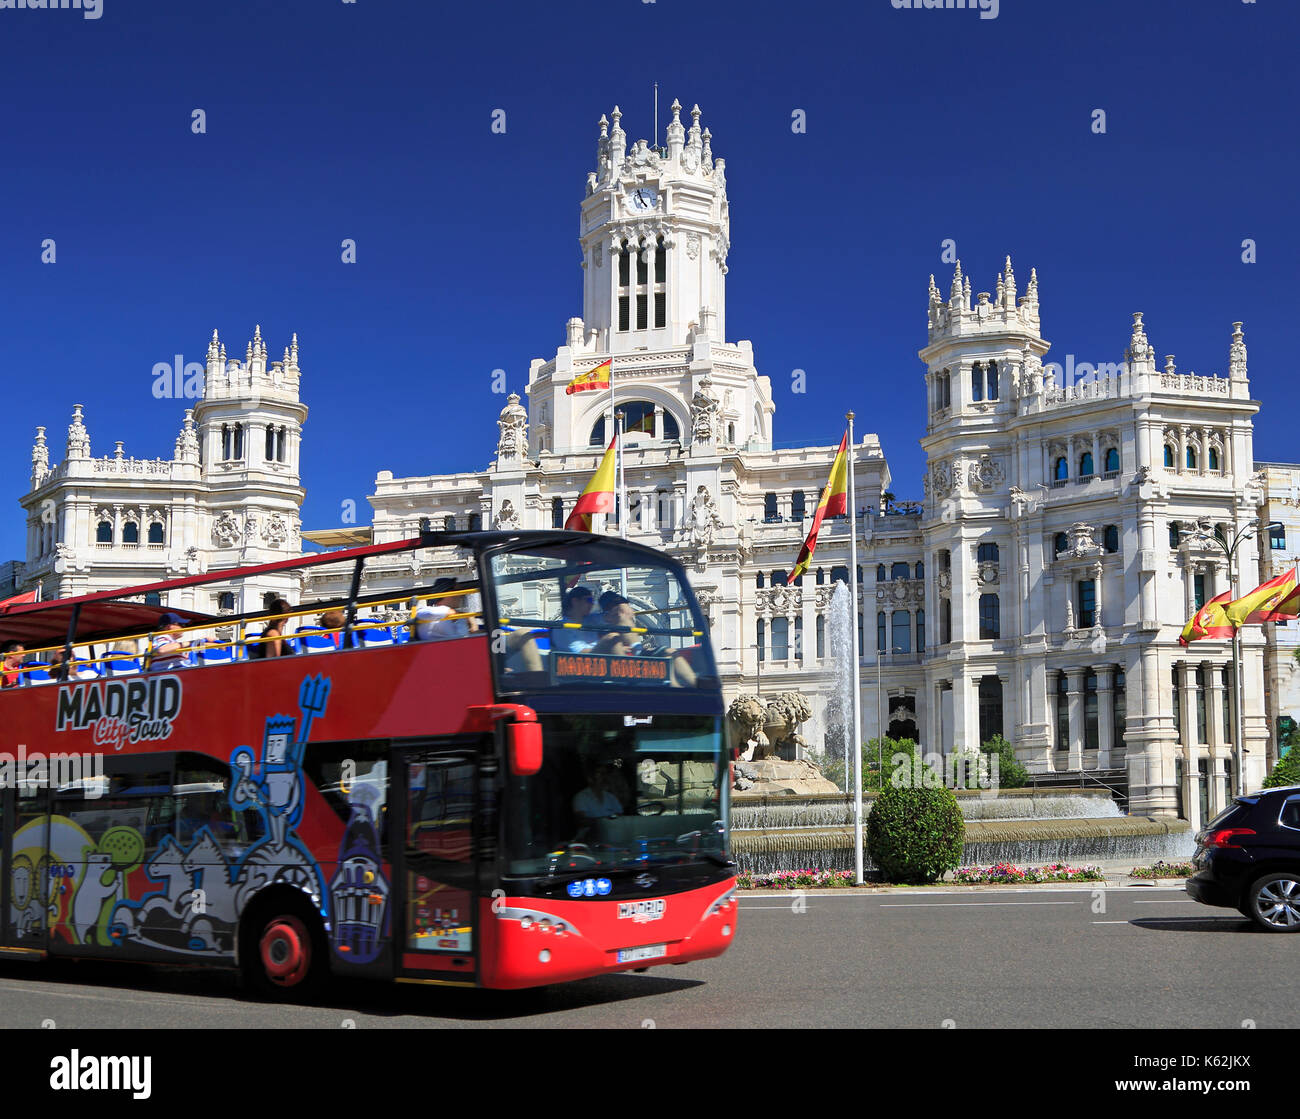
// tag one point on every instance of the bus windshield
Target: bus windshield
(618, 792)
(596, 613)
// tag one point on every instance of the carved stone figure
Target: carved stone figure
(703, 521)
(507, 519)
(40, 458)
(275, 532)
(513, 441)
(705, 413)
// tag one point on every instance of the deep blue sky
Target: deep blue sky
(372, 121)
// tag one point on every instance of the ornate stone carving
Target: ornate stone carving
(78, 436)
(598, 254)
(941, 480)
(1081, 541)
(986, 474)
(693, 245)
(705, 414)
(1237, 354)
(275, 532)
(702, 523)
(40, 458)
(226, 530)
(513, 423)
(987, 574)
(785, 600)
(943, 580)
(507, 518)
(187, 442)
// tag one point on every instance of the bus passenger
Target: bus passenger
(273, 643)
(620, 617)
(11, 666)
(167, 648)
(598, 800)
(576, 605)
(335, 620)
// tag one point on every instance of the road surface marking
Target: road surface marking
(1167, 901)
(968, 904)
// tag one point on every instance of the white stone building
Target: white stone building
(1038, 589)
(228, 496)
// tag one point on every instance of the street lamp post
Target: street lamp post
(1204, 535)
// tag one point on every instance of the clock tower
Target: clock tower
(654, 233)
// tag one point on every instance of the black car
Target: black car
(1248, 858)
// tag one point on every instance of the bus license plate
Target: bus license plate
(650, 952)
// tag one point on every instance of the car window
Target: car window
(1235, 811)
(1290, 816)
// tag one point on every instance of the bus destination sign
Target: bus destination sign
(570, 667)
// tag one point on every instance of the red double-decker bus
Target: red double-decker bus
(524, 783)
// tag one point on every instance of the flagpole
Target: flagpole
(856, 662)
(622, 493)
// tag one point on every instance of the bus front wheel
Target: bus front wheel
(284, 952)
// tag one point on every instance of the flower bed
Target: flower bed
(794, 879)
(1006, 873)
(1163, 870)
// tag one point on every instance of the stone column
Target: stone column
(1053, 710)
(1105, 713)
(1191, 785)
(964, 696)
(1213, 706)
(1075, 698)
(1098, 572)
(659, 423)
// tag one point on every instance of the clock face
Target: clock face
(642, 199)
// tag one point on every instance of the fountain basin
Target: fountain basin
(1020, 841)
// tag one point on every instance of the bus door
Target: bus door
(31, 881)
(434, 921)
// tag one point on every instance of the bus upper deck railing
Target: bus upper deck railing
(211, 652)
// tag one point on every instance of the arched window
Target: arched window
(1191, 458)
(638, 416)
(130, 533)
(947, 389)
(821, 576)
(104, 532)
(624, 288)
(839, 574)
(557, 512)
(759, 579)
(1085, 464)
(1112, 460)
(1060, 543)
(880, 573)
(1169, 457)
(898, 571)
(991, 381)
(1061, 471)
(1214, 458)
(155, 533)
(226, 600)
(987, 553)
(1175, 532)
(270, 443)
(920, 631)
(780, 578)
(770, 513)
(731, 433)
(977, 382)
(920, 571)
(798, 503)
(990, 617)
(1110, 538)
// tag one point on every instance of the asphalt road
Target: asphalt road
(1031, 958)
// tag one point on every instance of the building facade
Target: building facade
(1037, 590)
(228, 496)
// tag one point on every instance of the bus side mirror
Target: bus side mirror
(525, 741)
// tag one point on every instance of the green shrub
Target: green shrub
(875, 763)
(915, 834)
(1011, 774)
(1287, 770)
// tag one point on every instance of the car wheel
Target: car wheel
(1274, 902)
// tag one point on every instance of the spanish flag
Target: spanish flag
(1273, 601)
(1209, 621)
(598, 497)
(597, 378)
(834, 503)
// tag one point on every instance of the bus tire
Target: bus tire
(282, 947)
